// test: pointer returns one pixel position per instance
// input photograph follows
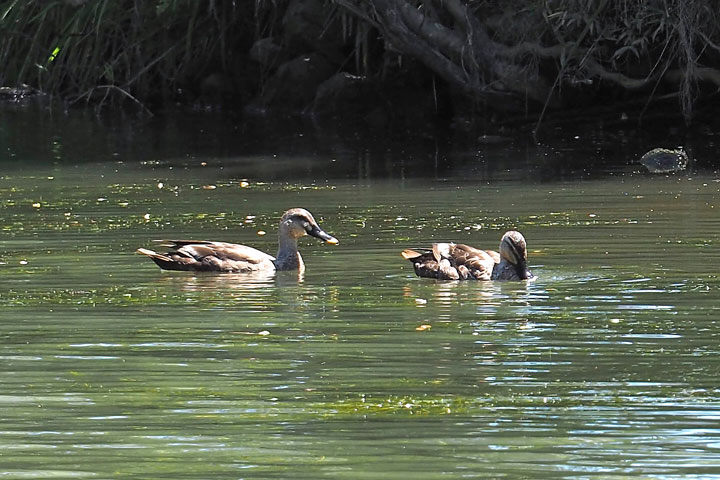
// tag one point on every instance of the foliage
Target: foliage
(93, 49)
(509, 55)
(662, 47)
(652, 39)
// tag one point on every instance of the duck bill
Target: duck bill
(318, 232)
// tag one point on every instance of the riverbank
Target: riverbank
(379, 63)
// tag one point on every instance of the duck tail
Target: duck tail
(163, 261)
(408, 254)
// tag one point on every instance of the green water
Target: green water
(604, 367)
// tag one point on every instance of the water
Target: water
(604, 367)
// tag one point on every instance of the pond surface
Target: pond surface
(606, 366)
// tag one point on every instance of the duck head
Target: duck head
(298, 222)
(513, 249)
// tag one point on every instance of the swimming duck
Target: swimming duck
(450, 261)
(230, 257)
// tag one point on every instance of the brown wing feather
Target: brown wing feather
(475, 263)
(494, 255)
(213, 256)
(181, 243)
(226, 251)
(408, 254)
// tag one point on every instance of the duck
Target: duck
(456, 261)
(230, 257)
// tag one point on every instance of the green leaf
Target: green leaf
(54, 54)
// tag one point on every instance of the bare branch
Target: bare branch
(108, 88)
(624, 81)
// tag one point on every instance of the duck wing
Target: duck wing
(424, 263)
(210, 256)
(494, 255)
(469, 262)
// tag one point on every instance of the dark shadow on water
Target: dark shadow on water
(287, 149)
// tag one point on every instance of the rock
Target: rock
(663, 160)
(268, 53)
(293, 86)
(305, 24)
(493, 139)
(344, 94)
(304, 19)
(17, 93)
(216, 88)
(377, 118)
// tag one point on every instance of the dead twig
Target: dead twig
(110, 88)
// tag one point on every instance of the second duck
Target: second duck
(451, 261)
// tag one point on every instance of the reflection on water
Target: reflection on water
(488, 297)
(244, 283)
(604, 366)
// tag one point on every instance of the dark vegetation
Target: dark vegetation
(374, 61)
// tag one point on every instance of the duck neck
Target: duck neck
(508, 271)
(288, 257)
(504, 271)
